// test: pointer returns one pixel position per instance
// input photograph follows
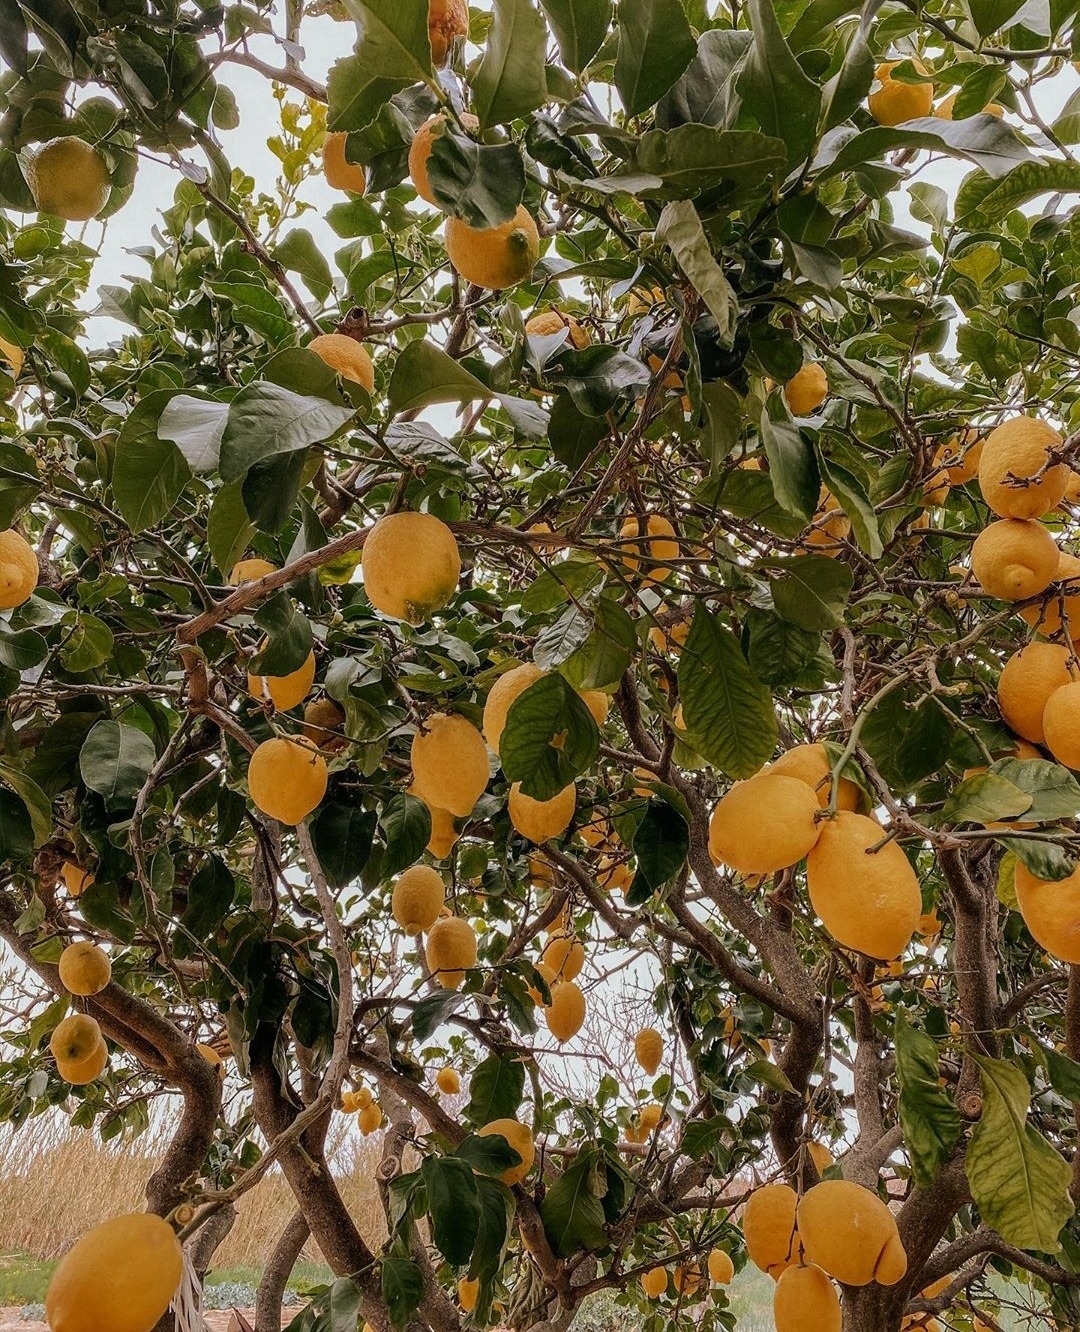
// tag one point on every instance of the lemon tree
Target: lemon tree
(550, 628)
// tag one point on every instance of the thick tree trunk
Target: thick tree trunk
(276, 1274)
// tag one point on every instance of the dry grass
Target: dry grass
(57, 1181)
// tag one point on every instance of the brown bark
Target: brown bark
(277, 1271)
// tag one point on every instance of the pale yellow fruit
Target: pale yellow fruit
(614, 874)
(501, 697)
(450, 950)
(1051, 617)
(851, 1234)
(444, 835)
(520, 1140)
(549, 322)
(944, 109)
(650, 1116)
(565, 955)
(764, 824)
(654, 1282)
(869, 902)
(351, 361)
(18, 569)
(805, 1300)
(721, 1268)
(448, 1081)
(287, 779)
(647, 542)
(1014, 558)
(770, 1229)
(284, 691)
(1051, 911)
(811, 764)
(323, 724)
(68, 178)
(247, 571)
(541, 820)
(894, 101)
(598, 703)
(1018, 452)
(929, 925)
(820, 1155)
(120, 1276)
(566, 1012)
(13, 355)
(830, 527)
(468, 1292)
(363, 1097)
(447, 20)
(449, 763)
(75, 879)
(74, 1038)
(1025, 684)
(649, 1049)
(348, 1102)
(960, 457)
(411, 565)
(422, 144)
(671, 639)
(687, 1279)
(339, 173)
(370, 1119)
(807, 390)
(212, 1057)
(494, 257)
(533, 991)
(79, 1072)
(84, 968)
(419, 895)
(1061, 724)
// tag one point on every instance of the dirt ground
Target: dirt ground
(217, 1320)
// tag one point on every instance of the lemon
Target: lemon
(1052, 617)
(851, 1234)
(520, 1139)
(450, 950)
(347, 357)
(1025, 684)
(721, 1268)
(1016, 476)
(805, 1300)
(68, 177)
(770, 1229)
(84, 968)
(18, 569)
(448, 1081)
(649, 1049)
(1051, 912)
(74, 1038)
(422, 144)
(411, 566)
(447, 20)
(494, 257)
(340, 173)
(764, 824)
(501, 696)
(1014, 558)
(418, 897)
(654, 1282)
(449, 763)
(540, 820)
(811, 764)
(566, 1012)
(287, 779)
(648, 540)
(549, 322)
(806, 390)
(894, 101)
(284, 691)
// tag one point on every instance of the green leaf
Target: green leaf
(727, 709)
(289, 637)
(599, 377)
(33, 797)
(210, 894)
(985, 798)
(392, 51)
(908, 736)
(1063, 1072)
(21, 649)
(607, 651)
(792, 467)
(661, 845)
(982, 200)
(781, 97)
(490, 1155)
(681, 231)
(343, 1306)
(433, 1010)
(424, 375)
(929, 1119)
(149, 473)
(572, 1214)
(115, 760)
(985, 140)
(990, 16)
(87, 644)
(495, 1090)
(1018, 1181)
(266, 421)
(853, 499)
(402, 1289)
(453, 1206)
(692, 158)
(512, 79)
(580, 27)
(195, 426)
(299, 252)
(342, 835)
(550, 738)
(16, 830)
(228, 529)
(496, 1218)
(406, 828)
(1046, 860)
(572, 433)
(655, 47)
(1054, 791)
(778, 650)
(481, 184)
(812, 591)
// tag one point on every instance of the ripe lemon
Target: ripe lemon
(411, 566)
(286, 779)
(650, 1116)
(541, 820)
(449, 763)
(1051, 911)
(944, 109)
(520, 1139)
(654, 1282)
(830, 527)
(807, 390)
(955, 463)
(494, 257)
(284, 691)
(1018, 451)
(68, 177)
(74, 1038)
(869, 902)
(120, 1276)
(564, 955)
(447, 19)
(1014, 558)
(448, 1081)
(363, 1098)
(820, 1155)
(508, 687)
(721, 1268)
(79, 1072)
(450, 950)
(444, 835)
(422, 144)
(348, 357)
(770, 1230)
(662, 544)
(566, 1012)
(1061, 724)
(811, 764)
(370, 1119)
(348, 1102)
(598, 703)
(247, 571)
(13, 355)
(851, 1234)
(805, 1300)
(687, 1279)
(75, 879)
(212, 1057)
(323, 724)
(1050, 618)
(670, 639)
(468, 1291)
(649, 1049)
(614, 874)
(894, 101)
(548, 976)
(1025, 684)
(18, 569)
(341, 174)
(419, 895)
(549, 322)
(84, 968)
(764, 824)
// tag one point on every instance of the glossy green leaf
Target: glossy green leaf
(928, 1117)
(511, 79)
(550, 738)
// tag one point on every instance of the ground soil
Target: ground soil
(217, 1320)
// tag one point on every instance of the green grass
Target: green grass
(304, 1274)
(23, 1280)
